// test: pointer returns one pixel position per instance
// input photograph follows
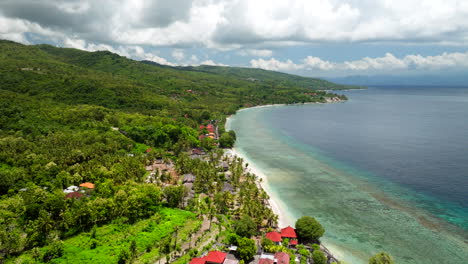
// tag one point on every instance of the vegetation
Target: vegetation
(68, 116)
(309, 229)
(381, 258)
(319, 257)
(246, 248)
(245, 227)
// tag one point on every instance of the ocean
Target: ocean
(386, 170)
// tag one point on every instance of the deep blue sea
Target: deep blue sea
(385, 170)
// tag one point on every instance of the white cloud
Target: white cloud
(387, 63)
(212, 63)
(243, 24)
(178, 54)
(256, 52)
(276, 65)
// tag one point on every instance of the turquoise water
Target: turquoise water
(386, 170)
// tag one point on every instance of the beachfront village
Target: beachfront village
(233, 222)
(197, 205)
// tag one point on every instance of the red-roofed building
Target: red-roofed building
(74, 195)
(210, 128)
(198, 261)
(265, 261)
(148, 150)
(201, 127)
(288, 232)
(293, 242)
(215, 257)
(282, 258)
(275, 237)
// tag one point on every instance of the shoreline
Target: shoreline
(278, 207)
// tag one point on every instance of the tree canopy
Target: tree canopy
(309, 229)
(381, 258)
(245, 227)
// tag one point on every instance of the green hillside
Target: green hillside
(69, 116)
(277, 79)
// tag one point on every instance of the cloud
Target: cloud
(276, 65)
(178, 54)
(387, 63)
(256, 52)
(244, 24)
(211, 63)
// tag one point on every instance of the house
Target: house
(227, 187)
(201, 127)
(275, 237)
(293, 242)
(88, 185)
(198, 151)
(74, 195)
(198, 261)
(231, 261)
(282, 258)
(288, 232)
(71, 189)
(189, 178)
(148, 150)
(210, 128)
(265, 261)
(268, 256)
(224, 165)
(215, 257)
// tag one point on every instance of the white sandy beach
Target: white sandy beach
(279, 207)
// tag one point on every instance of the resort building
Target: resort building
(275, 237)
(282, 258)
(288, 232)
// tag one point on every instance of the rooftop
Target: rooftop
(273, 236)
(288, 232)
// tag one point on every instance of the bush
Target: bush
(319, 257)
(246, 248)
(245, 227)
(381, 258)
(55, 250)
(124, 257)
(309, 229)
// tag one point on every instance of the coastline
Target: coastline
(285, 218)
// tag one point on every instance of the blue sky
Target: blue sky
(308, 37)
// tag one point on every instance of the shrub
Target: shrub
(245, 227)
(319, 257)
(309, 229)
(381, 258)
(55, 250)
(246, 248)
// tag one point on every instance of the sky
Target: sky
(320, 38)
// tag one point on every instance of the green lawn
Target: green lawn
(112, 238)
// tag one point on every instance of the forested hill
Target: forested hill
(272, 78)
(70, 117)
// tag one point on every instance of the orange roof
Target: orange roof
(87, 185)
